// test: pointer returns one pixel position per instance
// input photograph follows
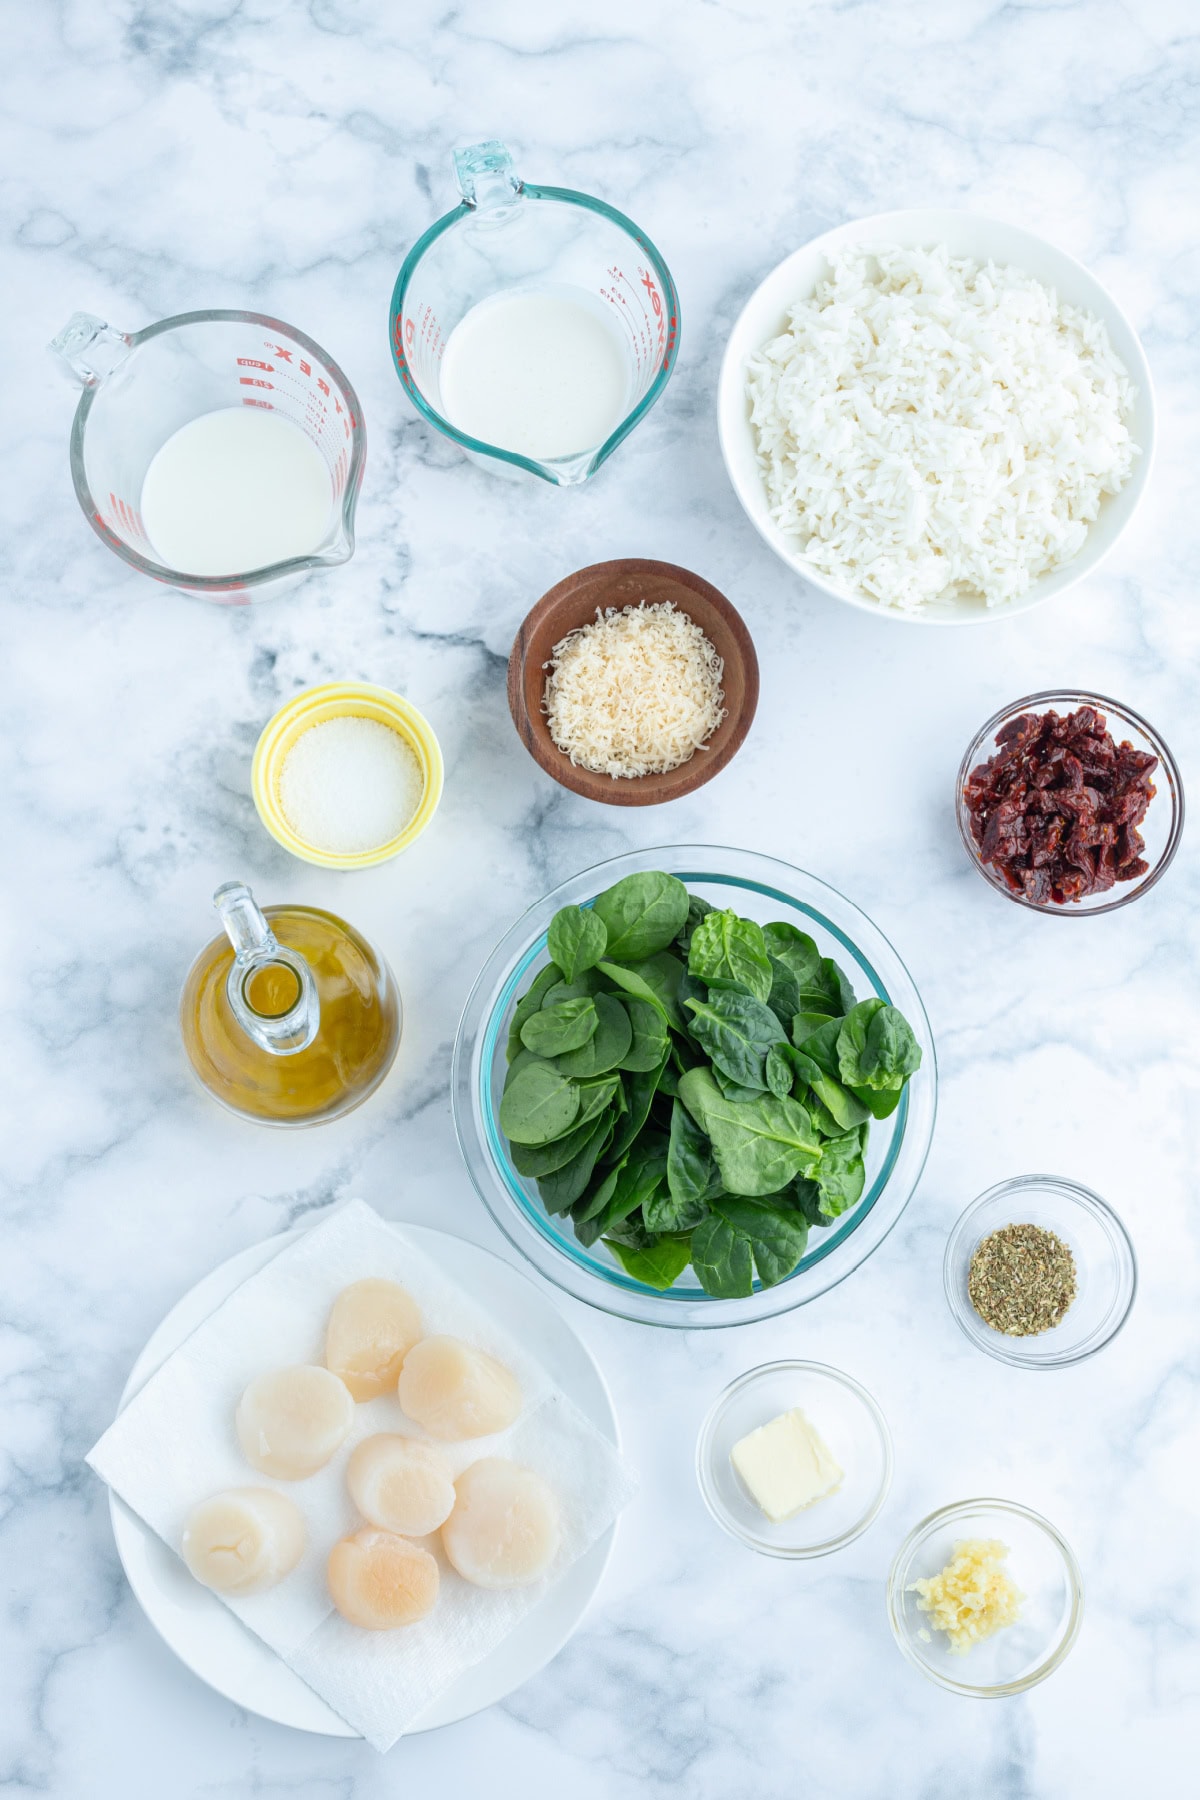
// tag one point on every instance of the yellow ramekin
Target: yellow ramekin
(343, 700)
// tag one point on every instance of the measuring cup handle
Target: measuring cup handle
(89, 348)
(485, 177)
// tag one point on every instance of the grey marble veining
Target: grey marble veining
(161, 157)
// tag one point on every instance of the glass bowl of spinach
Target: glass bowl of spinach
(694, 1086)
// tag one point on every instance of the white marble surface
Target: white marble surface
(161, 157)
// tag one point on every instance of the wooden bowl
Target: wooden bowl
(625, 582)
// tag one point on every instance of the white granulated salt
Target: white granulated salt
(349, 785)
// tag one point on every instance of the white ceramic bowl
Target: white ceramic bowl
(965, 234)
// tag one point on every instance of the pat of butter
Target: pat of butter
(786, 1465)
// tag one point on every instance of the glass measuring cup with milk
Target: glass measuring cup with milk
(221, 452)
(533, 325)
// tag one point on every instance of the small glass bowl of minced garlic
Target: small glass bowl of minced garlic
(985, 1597)
(1040, 1272)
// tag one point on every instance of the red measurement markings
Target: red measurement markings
(417, 343)
(639, 319)
(312, 414)
(656, 305)
(250, 400)
(127, 517)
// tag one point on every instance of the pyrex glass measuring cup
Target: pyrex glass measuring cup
(140, 387)
(509, 234)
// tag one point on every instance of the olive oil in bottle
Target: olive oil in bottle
(290, 1018)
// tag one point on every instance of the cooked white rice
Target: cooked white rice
(930, 427)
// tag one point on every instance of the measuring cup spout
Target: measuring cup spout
(89, 349)
(486, 180)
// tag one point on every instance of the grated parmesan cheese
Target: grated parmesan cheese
(636, 693)
(973, 1596)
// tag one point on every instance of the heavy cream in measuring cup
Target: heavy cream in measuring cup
(236, 490)
(539, 371)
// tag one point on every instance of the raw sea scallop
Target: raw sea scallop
(378, 1580)
(456, 1391)
(243, 1540)
(372, 1327)
(504, 1530)
(291, 1421)
(400, 1485)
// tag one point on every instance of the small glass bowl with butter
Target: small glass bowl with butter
(1014, 1655)
(794, 1459)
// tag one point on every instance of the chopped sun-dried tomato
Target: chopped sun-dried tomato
(1056, 810)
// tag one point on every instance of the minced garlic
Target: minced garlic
(973, 1596)
(635, 693)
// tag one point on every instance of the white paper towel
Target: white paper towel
(175, 1444)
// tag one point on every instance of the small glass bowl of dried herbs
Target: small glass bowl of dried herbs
(1040, 1272)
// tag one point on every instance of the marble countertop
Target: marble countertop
(162, 157)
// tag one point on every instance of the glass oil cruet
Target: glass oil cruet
(290, 1017)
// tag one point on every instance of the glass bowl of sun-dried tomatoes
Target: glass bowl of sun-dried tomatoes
(1069, 803)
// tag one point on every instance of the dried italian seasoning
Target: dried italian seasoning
(1021, 1280)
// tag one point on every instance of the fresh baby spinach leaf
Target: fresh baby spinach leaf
(528, 1004)
(692, 1173)
(805, 1023)
(697, 909)
(828, 991)
(841, 1173)
(608, 1044)
(820, 1047)
(663, 1213)
(655, 979)
(876, 1047)
(556, 1029)
(737, 1031)
(638, 1180)
(597, 1096)
(582, 988)
(795, 961)
(794, 949)
(844, 1108)
(777, 1071)
(760, 1145)
(538, 1105)
(641, 914)
(639, 1088)
(741, 1236)
(576, 940)
(594, 1200)
(651, 1041)
(659, 1266)
(735, 1090)
(805, 1196)
(561, 1188)
(632, 1233)
(520, 1061)
(881, 1103)
(538, 1160)
(726, 949)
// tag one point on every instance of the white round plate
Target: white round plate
(218, 1648)
(764, 316)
